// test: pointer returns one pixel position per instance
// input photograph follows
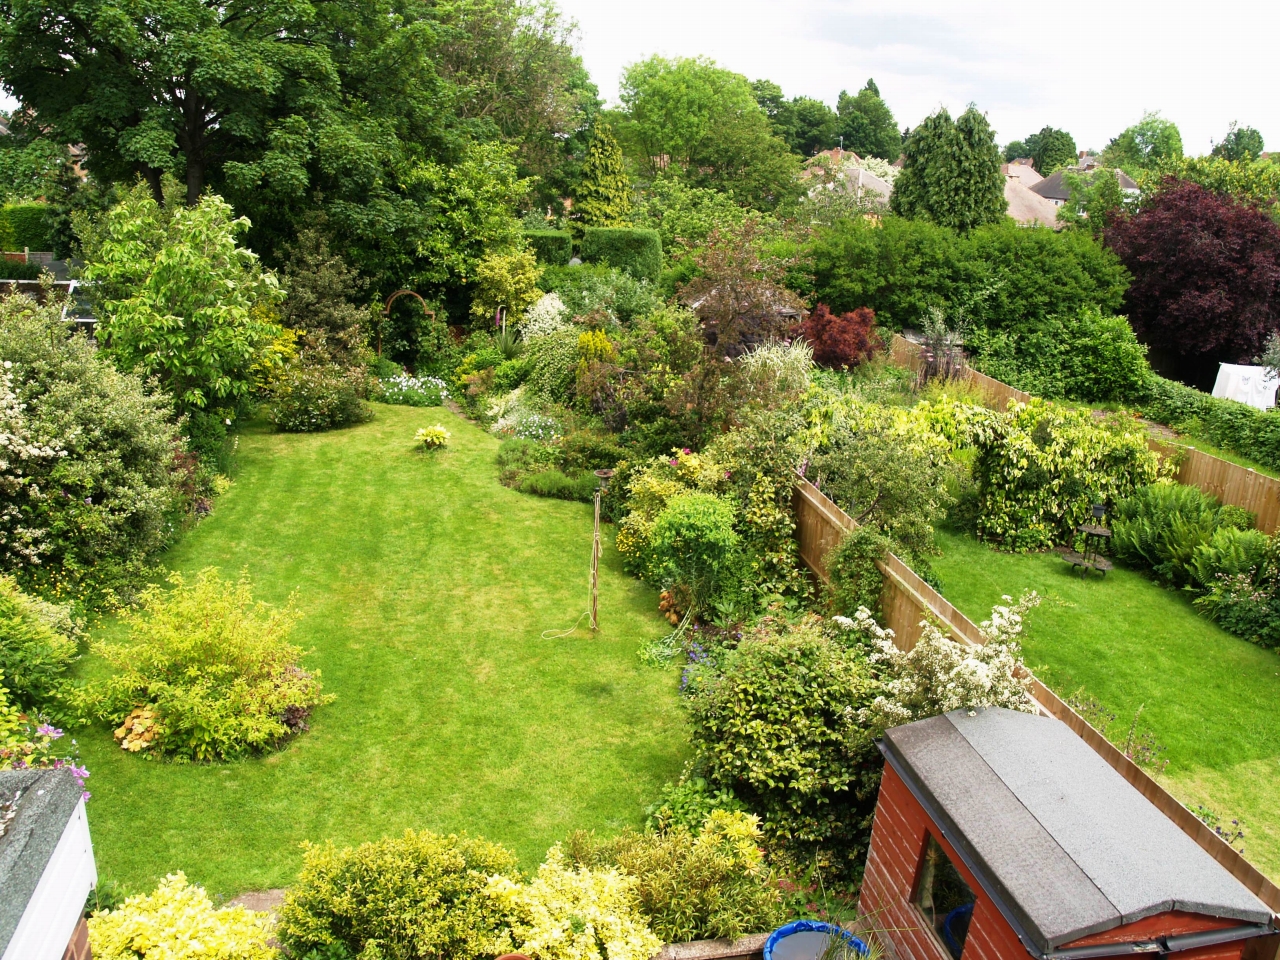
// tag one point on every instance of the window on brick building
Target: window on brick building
(944, 898)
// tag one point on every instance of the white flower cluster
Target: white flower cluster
(18, 452)
(883, 169)
(412, 391)
(940, 674)
(546, 316)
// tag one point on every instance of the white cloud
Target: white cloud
(1092, 68)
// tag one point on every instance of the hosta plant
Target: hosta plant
(432, 438)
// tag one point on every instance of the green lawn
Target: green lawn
(426, 588)
(1210, 698)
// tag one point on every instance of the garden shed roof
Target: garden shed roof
(40, 803)
(1059, 840)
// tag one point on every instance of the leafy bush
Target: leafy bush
(1041, 467)
(405, 390)
(854, 579)
(553, 361)
(510, 374)
(694, 544)
(420, 896)
(637, 251)
(695, 885)
(687, 804)
(38, 644)
(843, 340)
(1248, 603)
(28, 226)
(1169, 528)
(94, 467)
(778, 728)
(519, 456)
(1234, 426)
(560, 486)
(551, 246)
(179, 922)
(1090, 357)
(314, 397)
(17, 270)
(574, 914)
(205, 674)
(432, 438)
(597, 289)
(505, 279)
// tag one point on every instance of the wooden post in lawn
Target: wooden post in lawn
(604, 476)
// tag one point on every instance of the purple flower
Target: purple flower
(88, 501)
(48, 730)
(675, 463)
(686, 450)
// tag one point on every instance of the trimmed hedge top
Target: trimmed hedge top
(637, 251)
(1229, 424)
(23, 225)
(551, 246)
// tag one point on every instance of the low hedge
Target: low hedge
(638, 252)
(553, 247)
(26, 226)
(1234, 426)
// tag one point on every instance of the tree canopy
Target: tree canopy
(1240, 143)
(1145, 144)
(1051, 149)
(690, 117)
(867, 124)
(951, 172)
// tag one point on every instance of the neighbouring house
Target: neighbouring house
(841, 170)
(1028, 207)
(1000, 834)
(1057, 191)
(46, 866)
(1025, 173)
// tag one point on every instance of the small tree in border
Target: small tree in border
(841, 340)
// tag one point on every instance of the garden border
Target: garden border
(907, 600)
(1228, 482)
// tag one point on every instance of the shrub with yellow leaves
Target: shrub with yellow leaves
(179, 922)
(575, 914)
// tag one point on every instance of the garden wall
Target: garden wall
(1229, 482)
(907, 600)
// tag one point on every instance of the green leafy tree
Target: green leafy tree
(867, 124)
(1052, 149)
(1016, 149)
(951, 173)
(180, 300)
(690, 117)
(603, 195)
(1255, 183)
(1148, 142)
(1096, 201)
(1240, 143)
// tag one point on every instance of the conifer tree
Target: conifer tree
(951, 173)
(603, 196)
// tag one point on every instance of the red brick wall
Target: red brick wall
(78, 948)
(898, 838)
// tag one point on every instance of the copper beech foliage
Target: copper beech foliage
(841, 340)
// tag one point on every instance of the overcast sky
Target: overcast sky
(1091, 68)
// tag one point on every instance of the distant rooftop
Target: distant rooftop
(1063, 844)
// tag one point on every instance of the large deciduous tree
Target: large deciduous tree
(700, 121)
(951, 172)
(1206, 276)
(1240, 143)
(1051, 149)
(1145, 144)
(867, 124)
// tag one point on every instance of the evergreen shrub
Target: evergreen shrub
(637, 251)
(27, 227)
(553, 247)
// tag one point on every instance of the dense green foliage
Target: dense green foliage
(637, 251)
(38, 644)
(854, 579)
(693, 544)
(1234, 426)
(95, 469)
(867, 124)
(602, 197)
(1090, 357)
(1148, 142)
(312, 396)
(694, 884)
(1240, 143)
(419, 896)
(206, 673)
(951, 172)
(25, 227)
(553, 247)
(180, 300)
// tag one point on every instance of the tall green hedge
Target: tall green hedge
(1234, 426)
(552, 246)
(27, 228)
(637, 251)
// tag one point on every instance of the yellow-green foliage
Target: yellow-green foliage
(648, 493)
(506, 280)
(571, 914)
(694, 886)
(432, 438)
(179, 922)
(420, 896)
(217, 668)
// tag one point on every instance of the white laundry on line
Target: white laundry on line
(1255, 386)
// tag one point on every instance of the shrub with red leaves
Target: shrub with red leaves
(1206, 274)
(841, 340)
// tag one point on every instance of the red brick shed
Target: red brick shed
(1000, 834)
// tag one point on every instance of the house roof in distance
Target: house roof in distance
(1055, 187)
(1024, 171)
(45, 801)
(1026, 206)
(1064, 845)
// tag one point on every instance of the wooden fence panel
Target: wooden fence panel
(1229, 482)
(907, 600)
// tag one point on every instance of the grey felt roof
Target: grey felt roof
(1063, 843)
(48, 800)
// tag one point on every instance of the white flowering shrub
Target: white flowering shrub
(409, 391)
(883, 169)
(546, 316)
(940, 674)
(20, 542)
(179, 922)
(575, 914)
